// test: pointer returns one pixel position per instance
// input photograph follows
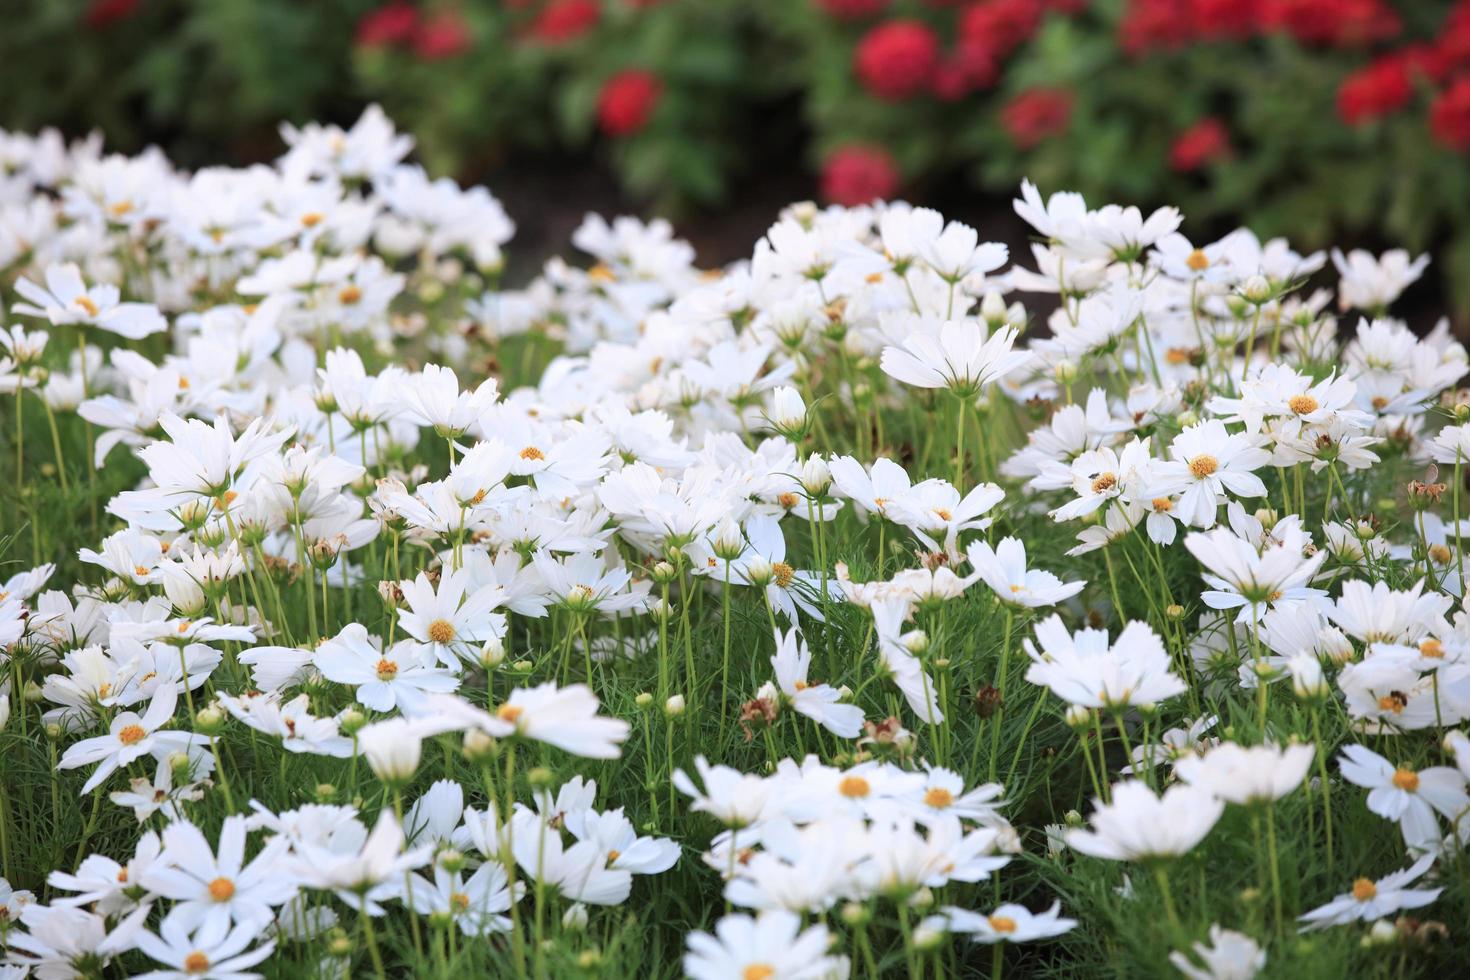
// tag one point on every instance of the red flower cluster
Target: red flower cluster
(1382, 88)
(1449, 116)
(854, 175)
(1387, 84)
(1153, 25)
(440, 36)
(1203, 143)
(627, 101)
(896, 60)
(104, 13)
(1037, 114)
(565, 20)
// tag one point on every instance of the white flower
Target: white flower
(956, 354)
(385, 679)
(1230, 955)
(1007, 924)
(211, 891)
(67, 299)
(1371, 899)
(771, 945)
(1004, 570)
(1137, 825)
(1246, 775)
(1208, 464)
(1372, 284)
(819, 702)
(1412, 797)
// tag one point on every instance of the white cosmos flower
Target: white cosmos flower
(1208, 465)
(1138, 825)
(385, 679)
(1230, 955)
(1003, 568)
(771, 945)
(1007, 924)
(66, 298)
(957, 354)
(129, 737)
(1412, 797)
(1370, 899)
(1247, 774)
(819, 702)
(1083, 669)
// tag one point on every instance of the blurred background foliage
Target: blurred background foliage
(1325, 120)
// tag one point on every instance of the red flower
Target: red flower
(1001, 24)
(442, 36)
(565, 20)
(1037, 114)
(897, 59)
(1449, 116)
(627, 101)
(1225, 19)
(1155, 25)
(1205, 142)
(102, 13)
(853, 9)
(1381, 88)
(1339, 23)
(390, 24)
(857, 174)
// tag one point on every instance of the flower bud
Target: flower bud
(324, 792)
(478, 745)
(663, 573)
(492, 654)
(644, 700)
(451, 860)
(1078, 717)
(816, 477)
(351, 721)
(727, 541)
(1065, 372)
(1257, 289)
(209, 720)
(674, 706)
(855, 914)
(574, 918)
(541, 777)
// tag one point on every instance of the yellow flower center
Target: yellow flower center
(782, 574)
(350, 296)
(86, 303)
(531, 452)
(1406, 780)
(312, 218)
(1364, 889)
(1162, 505)
(943, 514)
(509, 712)
(787, 500)
(1001, 923)
(131, 734)
(196, 962)
(1203, 465)
(758, 971)
(1440, 554)
(1431, 648)
(441, 631)
(613, 854)
(1303, 404)
(1198, 260)
(938, 797)
(120, 208)
(221, 889)
(1104, 483)
(601, 273)
(387, 669)
(854, 787)
(459, 901)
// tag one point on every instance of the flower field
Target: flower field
(885, 604)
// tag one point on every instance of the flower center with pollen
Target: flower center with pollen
(441, 631)
(459, 901)
(1002, 923)
(131, 734)
(349, 296)
(387, 669)
(1302, 404)
(1406, 780)
(221, 889)
(196, 962)
(531, 452)
(1162, 505)
(1440, 554)
(938, 797)
(782, 574)
(1198, 260)
(854, 787)
(758, 971)
(87, 303)
(1104, 483)
(1363, 889)
(613, 854)
(1203, 465)
(509, 712)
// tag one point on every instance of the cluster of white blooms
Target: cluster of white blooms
(1218, 447)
